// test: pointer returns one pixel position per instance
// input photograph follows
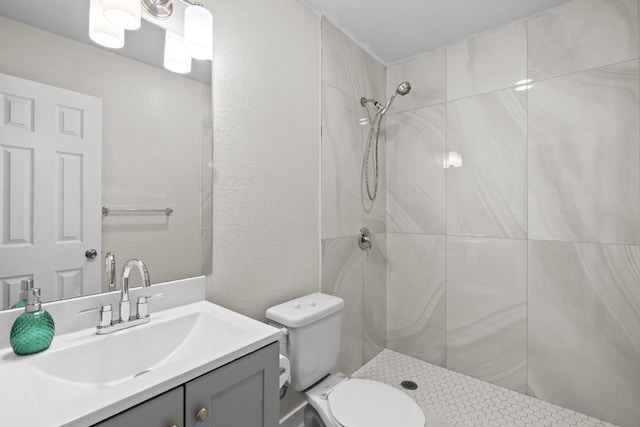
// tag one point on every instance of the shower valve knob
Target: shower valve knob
(364, 239)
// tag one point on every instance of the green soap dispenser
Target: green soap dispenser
(33, 330)
(25, 285)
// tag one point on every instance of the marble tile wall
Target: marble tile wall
(416, 295)
(415, 177)
(584, 328)
(492, 61)
(487, 196)
(349, 73)
(486, 327)
(586, 34)
(589, 119)
(522, 266)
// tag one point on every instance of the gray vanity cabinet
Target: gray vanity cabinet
(243, 393)
(165, 410)
(240, 394)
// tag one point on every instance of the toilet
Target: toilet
(312, 343)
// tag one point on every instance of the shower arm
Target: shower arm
(381, 110)
(364, 101)
(403, 89)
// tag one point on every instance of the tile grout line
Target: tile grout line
(446, 210)
(526, 354)
(463, 236)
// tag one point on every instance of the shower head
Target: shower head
(403, 88)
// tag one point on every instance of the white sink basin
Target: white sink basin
(108, 359)
(83, 377)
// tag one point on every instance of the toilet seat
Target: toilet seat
(366, 403)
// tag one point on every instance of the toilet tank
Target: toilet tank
(313, 343)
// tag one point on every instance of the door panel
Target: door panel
(50, 183)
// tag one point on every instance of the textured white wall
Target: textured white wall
(266, 239)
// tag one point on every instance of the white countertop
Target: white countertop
(30, 396)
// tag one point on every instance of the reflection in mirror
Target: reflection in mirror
(83, 127)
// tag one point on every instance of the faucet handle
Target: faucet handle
(143, 308)
(106, 314)
(145, 298)
(364, 239)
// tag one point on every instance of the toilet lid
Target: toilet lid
(366, 403)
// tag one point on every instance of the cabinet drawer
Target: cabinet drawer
(166, 410)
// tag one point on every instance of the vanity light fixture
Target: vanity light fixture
(109, 18)
(160, 9)
(102, 31)
(198, 31)
(123, 13)
(176, 58)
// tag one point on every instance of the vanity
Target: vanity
(194, 364)
(232, 395)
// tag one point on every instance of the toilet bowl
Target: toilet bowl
(312, 341)
(350, 402)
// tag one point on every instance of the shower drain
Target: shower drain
(409, 385)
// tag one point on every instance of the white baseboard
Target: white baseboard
(294, 418)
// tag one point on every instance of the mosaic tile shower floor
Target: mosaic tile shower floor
(451, 399)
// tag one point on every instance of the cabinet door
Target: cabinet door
(166, 410)
(243, 393)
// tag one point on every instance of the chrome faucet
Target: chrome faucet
(125, 304)
(106, 324)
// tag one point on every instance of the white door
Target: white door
(50, 188)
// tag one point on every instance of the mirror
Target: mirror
(149, 129)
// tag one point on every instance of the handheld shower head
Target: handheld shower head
(374, 132)
(403, 88)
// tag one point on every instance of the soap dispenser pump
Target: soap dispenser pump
(25, 285)
(33, 330)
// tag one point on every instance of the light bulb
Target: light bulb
(123, 13)
(198, 32)
(176, 58)
(102, 31)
